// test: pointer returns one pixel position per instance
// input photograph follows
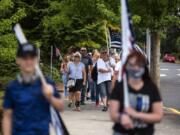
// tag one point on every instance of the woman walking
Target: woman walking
(94, 75)
(77, 77)
(104, 77)
(64, 73)
(145, 101)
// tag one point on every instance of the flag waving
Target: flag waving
(127, 44)
(127, 35)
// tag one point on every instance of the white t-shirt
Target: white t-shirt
(102, 77)
(112, 61)
(118, 68)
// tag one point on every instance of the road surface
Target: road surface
(170, 84)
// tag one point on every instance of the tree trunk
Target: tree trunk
(155, 58)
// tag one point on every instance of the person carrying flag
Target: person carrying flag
(145, 107)
(27, 99)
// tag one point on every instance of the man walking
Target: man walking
(27, 99)
(88, 67)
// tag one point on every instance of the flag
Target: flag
(115, 39)
(57, 52)
(128, 43)
(58, 125)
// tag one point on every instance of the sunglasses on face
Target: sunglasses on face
(83, 50)
(104, 52)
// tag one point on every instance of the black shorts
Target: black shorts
(78, 86)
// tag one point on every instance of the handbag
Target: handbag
(71, 83)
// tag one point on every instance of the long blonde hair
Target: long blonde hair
(95, 55)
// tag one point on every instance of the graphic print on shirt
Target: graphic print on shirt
(141, 103)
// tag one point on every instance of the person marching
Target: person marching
(117, 74)
(87, 61)
(94, 76)
(27, 99)
(64, 74)
(104, 77)
(145, 101)
(77, 79)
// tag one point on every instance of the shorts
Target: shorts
(78, 86)
(105, 89)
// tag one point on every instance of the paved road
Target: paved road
(170, 84)
(91, 121)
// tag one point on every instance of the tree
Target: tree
(9, 15)
(158, 16)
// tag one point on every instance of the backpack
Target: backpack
(94, 73)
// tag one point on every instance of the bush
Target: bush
(55, 73)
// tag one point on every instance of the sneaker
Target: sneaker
(87, 98)
(97, 103)
(104, 109)
(83, 103)
(69, 105)
(78, 109)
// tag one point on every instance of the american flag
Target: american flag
(57, 52)
(115, 39)
(128, 43)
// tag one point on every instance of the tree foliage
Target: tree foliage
(66, 23)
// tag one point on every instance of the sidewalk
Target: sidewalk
(91, 121)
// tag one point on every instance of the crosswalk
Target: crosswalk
(164, 74)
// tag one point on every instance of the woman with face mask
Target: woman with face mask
(145, 101)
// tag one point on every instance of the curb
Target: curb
(169, 110)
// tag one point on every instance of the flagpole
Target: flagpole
(51, 65)
(125, 49)
(107, 41)
(148, 46)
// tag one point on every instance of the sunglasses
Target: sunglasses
(104, 52)
(83, 50)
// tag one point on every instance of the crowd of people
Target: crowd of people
(92, 75)
(95, 76)
(98, 74)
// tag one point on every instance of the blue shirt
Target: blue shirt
(76, 71)
(31, 114)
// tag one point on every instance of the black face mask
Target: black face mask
(135, 74)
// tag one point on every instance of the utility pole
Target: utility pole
(148, 46)
(51, 61)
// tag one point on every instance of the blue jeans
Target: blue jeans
(96, 91)
(105, 89)
(93, 90)
(65, 80)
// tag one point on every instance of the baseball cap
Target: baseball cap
(27, 50)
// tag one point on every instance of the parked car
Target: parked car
(169, 58)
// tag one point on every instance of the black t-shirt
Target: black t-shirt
(141, 101)
(87, 62)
